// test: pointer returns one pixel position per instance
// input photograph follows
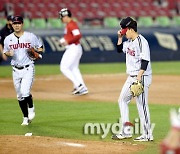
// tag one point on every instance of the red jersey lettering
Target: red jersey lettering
(131, 52)
(20, 45)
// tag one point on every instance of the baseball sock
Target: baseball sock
(29, 101)
(23, 106)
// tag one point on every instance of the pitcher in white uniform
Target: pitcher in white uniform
(138, 67)
(16, 46)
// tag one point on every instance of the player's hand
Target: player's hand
(10, 53)
(119, 37)
(119, 34)
(139, 78)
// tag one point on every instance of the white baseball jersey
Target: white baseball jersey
(19, 45)
(23, 66)
(136, 50)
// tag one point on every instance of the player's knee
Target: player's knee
(25, 93)
(63, 68)
(123, 100)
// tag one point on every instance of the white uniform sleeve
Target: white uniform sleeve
(145, 51)
(36, 42)
(125, 46)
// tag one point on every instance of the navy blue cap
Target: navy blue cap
(128, 22)
(17, 19)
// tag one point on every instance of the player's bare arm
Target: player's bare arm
(9, 53)
(141, 72)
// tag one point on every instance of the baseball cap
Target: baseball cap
(17, 19)
(10, 17)
(126, 23)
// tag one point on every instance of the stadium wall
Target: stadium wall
(99, 45)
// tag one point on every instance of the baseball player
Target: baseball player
(171, 143)
(5, 31)
(16, 46)
(69, 65)
(138, 67)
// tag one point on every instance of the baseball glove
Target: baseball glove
(136, 88)
(33, 54)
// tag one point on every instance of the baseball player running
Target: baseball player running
(16, 45)
(69, 65)
(138, 67)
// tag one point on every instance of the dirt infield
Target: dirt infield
(48, 145)
(102, 88)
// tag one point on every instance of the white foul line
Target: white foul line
(73, 144)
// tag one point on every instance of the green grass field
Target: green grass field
(162, 68)
(67, 119)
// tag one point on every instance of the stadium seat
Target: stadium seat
(38, 23)
(90, 9)
(27, 23)
(145, 21)
(163, 21)
(176, 21)
(54, 23)
(111, 22)
(2, 22)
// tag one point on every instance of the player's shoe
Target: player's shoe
(120, 136)
(78, 89)
(31, 113)
(142, 138)
(82, 92)
(25, 121)
(73, 91)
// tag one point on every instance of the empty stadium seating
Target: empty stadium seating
(163, 21)
(86, 10)
(145, 21)
(54, 23)
(176, 21)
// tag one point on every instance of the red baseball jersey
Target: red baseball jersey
(72, 33)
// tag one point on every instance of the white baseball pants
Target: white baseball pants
(141, 102)
(23, 80)
(69, 65)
